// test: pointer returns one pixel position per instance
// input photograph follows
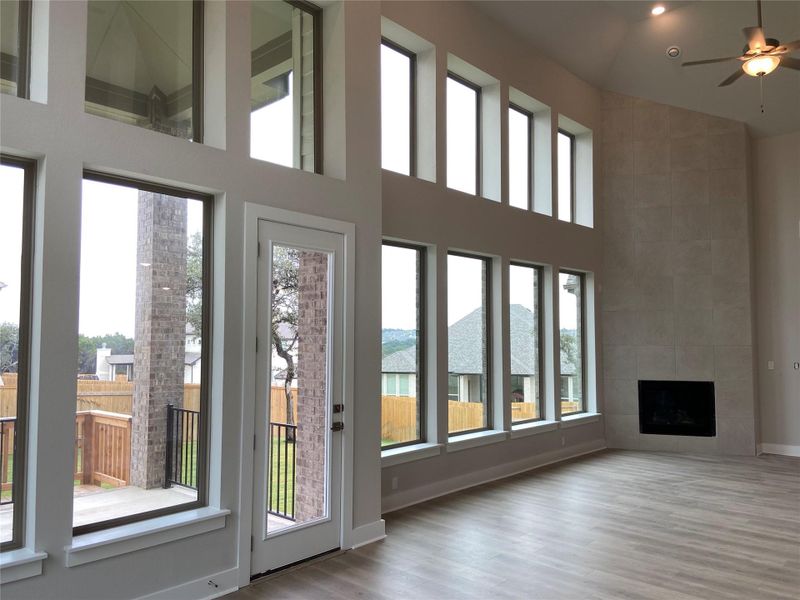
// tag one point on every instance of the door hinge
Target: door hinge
(256, 344)
(251, 543)
(254, 441)
(258, 249)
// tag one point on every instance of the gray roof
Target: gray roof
(127, 359)
(466, 357)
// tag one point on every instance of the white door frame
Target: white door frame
(253, 213)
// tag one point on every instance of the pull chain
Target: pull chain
(761, 87)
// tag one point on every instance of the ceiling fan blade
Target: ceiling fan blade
(732, 78)
(755, 37)
(790, 47)
(790, 63)
(709, 61)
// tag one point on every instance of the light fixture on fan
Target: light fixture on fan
(758, 66)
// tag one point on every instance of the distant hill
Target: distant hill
(393, 340)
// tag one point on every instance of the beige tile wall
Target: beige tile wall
(676, 298)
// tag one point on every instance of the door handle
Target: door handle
(337, 426)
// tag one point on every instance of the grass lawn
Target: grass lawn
(5, 495)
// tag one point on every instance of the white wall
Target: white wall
(66, 140)
(777, 259)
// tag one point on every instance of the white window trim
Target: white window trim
(20, 564)
(579, 419)
(456, 443)
(526, 429)
(106, 543)
(405, 454)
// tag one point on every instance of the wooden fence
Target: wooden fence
(102, 448)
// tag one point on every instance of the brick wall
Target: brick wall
(311, 402)
(160, 331)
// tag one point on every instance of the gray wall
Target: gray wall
(677, 297)
(777, 252)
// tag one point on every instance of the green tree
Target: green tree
(285, 311)
(87, 349)
(194, 284)
(569, 348)
(9, 347)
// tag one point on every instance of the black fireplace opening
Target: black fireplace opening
(677, 408)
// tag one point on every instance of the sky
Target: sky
(564, 177)
(271, 131)
(11, 182)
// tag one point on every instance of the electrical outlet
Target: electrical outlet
(771, 365)
(395, 481)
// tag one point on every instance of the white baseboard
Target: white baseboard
(367, 534)
(783, 449)
(200, 589)
(454, 484)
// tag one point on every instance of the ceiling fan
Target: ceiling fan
(761, 56)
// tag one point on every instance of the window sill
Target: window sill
(579, 419)
(526, 429)
(20, 564)
(398, 456)
(473, 440)
(98, 545)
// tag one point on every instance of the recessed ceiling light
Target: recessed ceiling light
(658, 10)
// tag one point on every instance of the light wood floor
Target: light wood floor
(611, 525)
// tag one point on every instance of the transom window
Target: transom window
(566, 176)
(15, 17)
(520, 124)
(463, 137)
(398, 103)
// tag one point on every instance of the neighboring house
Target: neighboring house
(109, 365)
(399, 373)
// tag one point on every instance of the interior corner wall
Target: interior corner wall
(676, 304)
(777, 291)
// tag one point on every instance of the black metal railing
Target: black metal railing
(282, 461)
(8, 446)
(183, 433)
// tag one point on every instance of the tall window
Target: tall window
(525, 289)
(520, 123)
(571, 288)
(402, 344)
(566, 176)
(144, 64)
(285, 74)
(16, 239)
(463, 138)
(143, 338)
(468, 350)
(398, 72)
(15, 19)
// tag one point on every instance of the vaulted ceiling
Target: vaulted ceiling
(620, 46)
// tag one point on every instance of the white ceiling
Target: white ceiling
(619, 46)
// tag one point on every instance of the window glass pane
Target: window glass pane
(282, 84)
(401, 339)
(565, 167)
(395, 110)
(462, 137)
(524, 330)
(12, 283)
(140, 340)
(467, 351)
(519, 158)
(570, 307)
(9, 43)
(139, 58)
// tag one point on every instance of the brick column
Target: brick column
(160, 331)
(311, 408)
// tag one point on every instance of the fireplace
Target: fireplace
(677, 408)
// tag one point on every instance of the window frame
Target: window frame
(20, 471)
(412, 135)
(582, 279)
(539, 274)
(478, 129)
(529, 162)
(203, 454)
(422, 341)
(572, 194)
(487, 332)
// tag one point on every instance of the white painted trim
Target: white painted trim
(144, 534)
(581, 419)
(20, 564)
(526, 429)
(473, 440)
(204, 588)
(253, 213)
(782, 449)
(398, 456)
(454, 484)
(367, 534)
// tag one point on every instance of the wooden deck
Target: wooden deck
(611, 525)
